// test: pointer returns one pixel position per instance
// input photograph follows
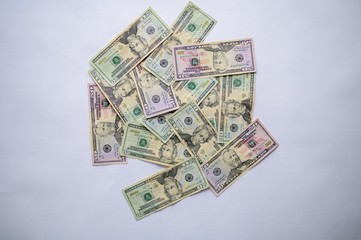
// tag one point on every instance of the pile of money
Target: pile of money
(163, 95)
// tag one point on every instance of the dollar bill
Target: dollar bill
(165, 188)
(130, 47)
(210, 105)
(238, 156)
(106, 129)
(193, 129)
(142, 144)
(191, 26)
(156, 97)
(214, 59)
(193, 90)
(122, 96)
(237, 95)
(159, 127)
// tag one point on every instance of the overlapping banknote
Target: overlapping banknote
(165, 188)
(238, 156)
(214, 59)
(106, 129)
(191, 26)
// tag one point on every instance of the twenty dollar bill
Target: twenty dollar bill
(237, 95)
(165, 188)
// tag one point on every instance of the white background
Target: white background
(308, 87)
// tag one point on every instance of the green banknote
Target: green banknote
(142, 144)
(165, 188)
(191, 26)
(237, 98)
(193, 90)
(193, 129)
(106, 129)
(214, 59)
(130, 47)
(156, 97)
(238, 156)
(210, 105)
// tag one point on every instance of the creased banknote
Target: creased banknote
(142, 144)
(193, 90)
(165, 188)
(237, 97)
(106, 129)
(130, 47)
(210, 105)
(191, 26)
(122, 96)
(156, 97)
(193, 129)
(159, 126)
(214, 59)
(238, 156)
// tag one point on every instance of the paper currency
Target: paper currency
(193, 90)
(214, 59)
(130, 47)
(122, 96)
(159, 127)
(210, 105)
(191, 26)
(140, 143)
(106, 129)
(165, 188)
(194, 131)
(238, 156)
(156, 97)
(237, 97)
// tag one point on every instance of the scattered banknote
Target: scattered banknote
(193, 90)
(159, 127)
(238, 156)
(106, 129)
(191, 26)
(214, 59)
(193, 129)
(142, 144)
(122, 96)
(210, 105)
(130, 47)
(237, 97)
(165, 188)
(156, 97)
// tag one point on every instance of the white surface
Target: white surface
(307, 94)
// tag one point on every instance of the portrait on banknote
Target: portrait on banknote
(148, 81)
(105, 129)
(137, 44)
(200, 135)
(169, 43)
(168, 152)
(231, 159)
(220, 60)
(212, 99)
(125, 88)
(233, 109)
(172, 187)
